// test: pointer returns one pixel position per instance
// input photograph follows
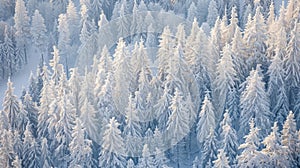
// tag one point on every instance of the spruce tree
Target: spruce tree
(113, 146)
(255, 104)
(206, 120)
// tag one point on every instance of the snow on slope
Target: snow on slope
(21, 78)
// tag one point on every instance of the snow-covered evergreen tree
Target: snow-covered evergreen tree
(277, 88)
(229, 141)
(123, 23)
(212, 13)
(88, 118)
(63, 127)
(64, 40)
(130, 164)
(209, 152)
(162, 108)
(9, 63)
(103, 68)
(17, 163)
(32, 113)
(166, 45)
(215, 47)
(80, 147)
(206, 120)
(160, 158)
(255, 38)
(22, 26)
(38, 31)
(113, 146)
(6, 149)
(289, 139)
(122, 74)
(291, 64)
(222, 160)
(45, 154)
(31, 150)
(225, 80)
(178, 123)
(192, 12)
(255, 104)
(45, 101)
(11, 106)
(250, 156)
(132, 129)
(275, 152)
(238, 55)
(147, 160)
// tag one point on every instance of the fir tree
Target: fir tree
(209, 153)
(291, 64)
(6, 149)
(274, 151)
(147, 161)
(45, 154)
(289, 139)
(250, 156)
(22, 26)
(9, 63)
(31, 150)
(178, 123)
(212, 13)
(206, 120)
(229, 141)
(113, 146)
(225, 80)
(32, 113)
(222, 160)
(259, 108)
(132, 129)
(277, 88)
(38, 31)
(73, 22)
(255, 37)
(122, 74)
(11, 106)
(80, 147)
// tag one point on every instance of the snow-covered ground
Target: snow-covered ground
(21, 78)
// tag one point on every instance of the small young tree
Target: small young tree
(222, 160)
(275, 153)
(147, 160)
(250, 156)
